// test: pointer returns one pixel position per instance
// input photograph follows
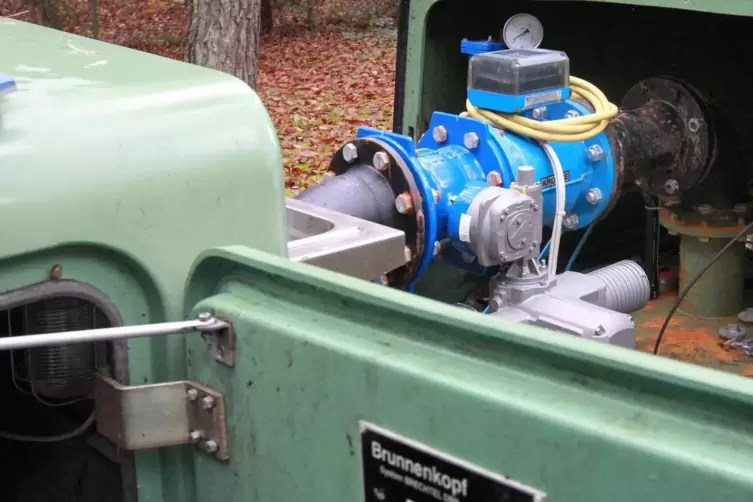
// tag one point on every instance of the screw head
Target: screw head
(192, 394)
(350, 153)
(570, 221)
(207, 402)
(593, 196)
(470, 140)
(439, 134)
(539, 113)
(671, 186)
(404, 203)
(195, 436)
(571, 114)
(494, 179)
(381, 161)
(595, 153)
(408, 254)
(211, 446)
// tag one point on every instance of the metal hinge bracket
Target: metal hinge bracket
(142, 417)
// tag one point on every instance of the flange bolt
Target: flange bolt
(381, 161)
(404, 203)
(439, 134)
(350, 153)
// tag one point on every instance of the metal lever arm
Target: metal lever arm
(205, 322)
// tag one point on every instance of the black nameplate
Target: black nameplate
(549, 181)
(396, 469)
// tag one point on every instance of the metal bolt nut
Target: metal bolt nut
(408, 254)
(571, 114)
(211, 446)
(593, 196)
(705, 209)
(192, 394)
(381, 161)
(439, 134)
(437, 248)
(595, 153)
(404, 203)
(570, 221)
(436, 194)
(207, 402)
(205, 317)
(671, 186)
(350, 153)
(539, 113)
(494, 179)
(732, 331)
(470, 140)
(195, 436)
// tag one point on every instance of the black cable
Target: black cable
(695, 279)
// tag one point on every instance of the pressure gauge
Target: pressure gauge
(523, 31)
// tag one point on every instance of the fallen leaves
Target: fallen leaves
(317, 87)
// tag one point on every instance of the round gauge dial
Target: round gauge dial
(523, 31)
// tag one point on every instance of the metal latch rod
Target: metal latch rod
(205, 322)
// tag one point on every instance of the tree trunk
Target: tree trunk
(267, 16)
(224, 35)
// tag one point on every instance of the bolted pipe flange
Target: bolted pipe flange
(350, 153)
(439, 134)
(381, 161)
(404, 203)
(593, 196)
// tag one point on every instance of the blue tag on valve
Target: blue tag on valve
(7, 83)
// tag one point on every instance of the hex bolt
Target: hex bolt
(571, 114)
(350, 153)
(539, 113)
(595, 153)
(593, 196)
(404, 203)
(192, 394)
(205, 317)
(671, 186)
(570, 221)
(195, 436)
(732, 331)
(494, 179)
(381, 161)
(470, 140)
(439, 134)
(210, 446)
(408, 254)
(436, 194)
(207, 402)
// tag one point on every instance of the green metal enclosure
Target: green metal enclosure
(154, 190)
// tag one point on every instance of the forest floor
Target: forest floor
(318, 87)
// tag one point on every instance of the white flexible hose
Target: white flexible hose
(559, 207)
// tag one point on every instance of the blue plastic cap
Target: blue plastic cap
(7, 83)
(472, 47)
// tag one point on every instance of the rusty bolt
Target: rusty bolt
(539, 113)
(404, 203)
(350, 153)
(595, 153)
(570, 221)
(195, 436)
(494, 178)
(571, 114)
(437, 195)
(705, 209)
(470, 140)
(439, 134)
(593, 196)
(55, 272)
(192, 394)
(211, 446)
(408, 254)
(207, 402)
(381, 161)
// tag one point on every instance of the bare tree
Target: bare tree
(224, 35)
